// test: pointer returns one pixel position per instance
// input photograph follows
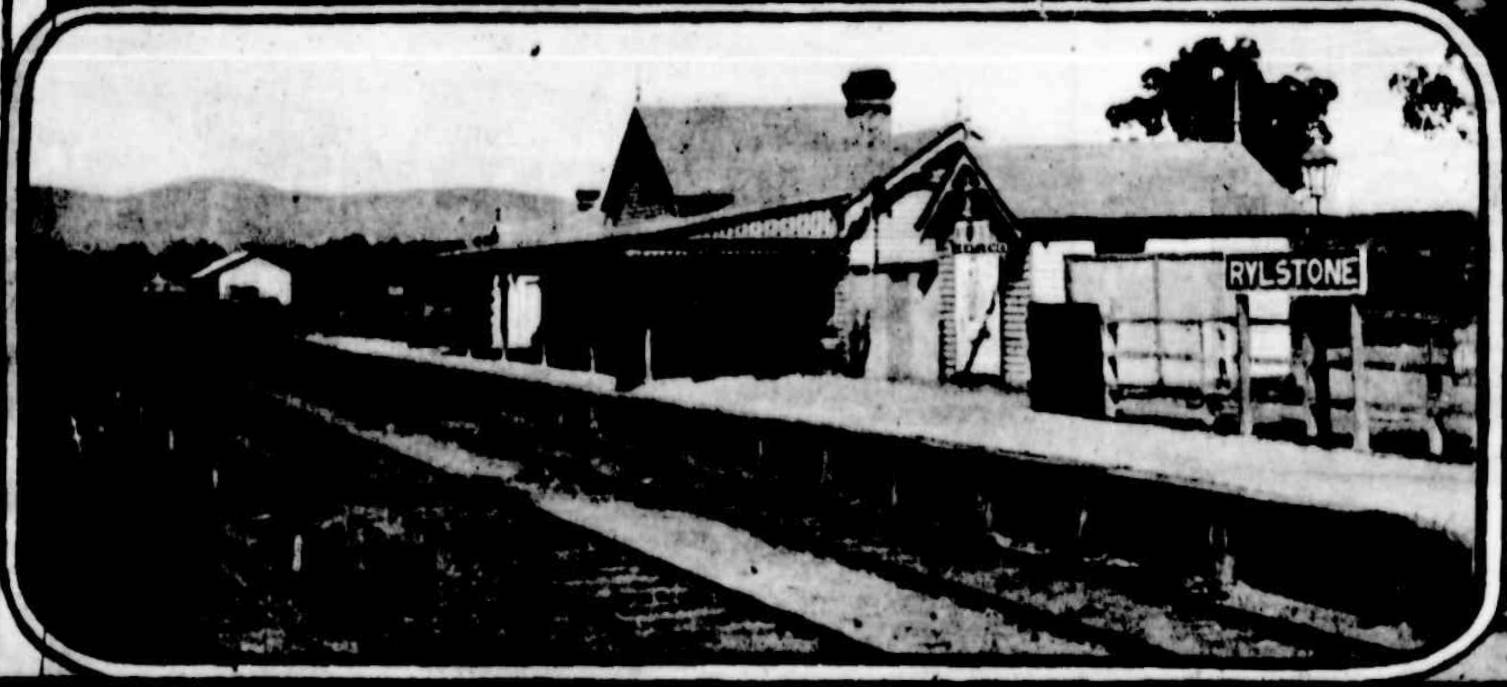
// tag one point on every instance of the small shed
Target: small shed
(242, 275)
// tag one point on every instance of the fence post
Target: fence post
(648, 353)
(1434, 389)
(504, 287)
(1243, 361)
(1224, 560)
(1361, 413)
(497, 327)
(1306, 371)
(1323, 399)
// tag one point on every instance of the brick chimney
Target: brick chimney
(868, 93)
(586, 198)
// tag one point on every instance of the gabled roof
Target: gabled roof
(766, 156)
(945, 165)
(233, 260)
(770, 155)
(1106, 180)
(1139, 179)
(678, 166)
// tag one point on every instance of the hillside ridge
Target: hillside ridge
(235, 212)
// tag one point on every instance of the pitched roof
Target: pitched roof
(1140, 179)
(767, 156)
(1104, 180)
(222, 264)
(230, 261)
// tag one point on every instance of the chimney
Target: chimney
(868, 92)
(586, 198)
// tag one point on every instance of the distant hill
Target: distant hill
(232, 213)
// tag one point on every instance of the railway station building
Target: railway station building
(813, 239)
(769, 240)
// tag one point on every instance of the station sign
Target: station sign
(1331, 273)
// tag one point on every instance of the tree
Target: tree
(1196, 94)
(1431, 101)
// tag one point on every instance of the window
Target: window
(525, 308)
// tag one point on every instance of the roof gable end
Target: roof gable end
(638, 187)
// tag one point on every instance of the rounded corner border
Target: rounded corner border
(34, 44)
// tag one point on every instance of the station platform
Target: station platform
(1434, 495)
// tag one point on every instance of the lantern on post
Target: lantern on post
(1318, 171)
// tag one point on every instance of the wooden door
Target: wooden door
(977, 314)
(1066, 372)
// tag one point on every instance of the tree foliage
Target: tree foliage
(1430, 100)
(1195, 96)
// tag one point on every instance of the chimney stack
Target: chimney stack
(586, 198)
(868, 93)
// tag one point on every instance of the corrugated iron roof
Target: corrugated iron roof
(769, 157)
(766, 156)
(591, 226)
(1134, 179)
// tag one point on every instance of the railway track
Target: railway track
(1134, 613)
(311, 545)
(401, 563)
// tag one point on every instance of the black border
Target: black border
(343, 12)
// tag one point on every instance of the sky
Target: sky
(120, 109)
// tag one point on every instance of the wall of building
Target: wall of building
(888, 308)
(665, 315)
(913, 309)
(891, 235)
(268, 279)
(1042, 280)
(890, 323)
(1013, 332)
(1049, 268)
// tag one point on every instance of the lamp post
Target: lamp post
(1318, 172)
(1318, 168)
